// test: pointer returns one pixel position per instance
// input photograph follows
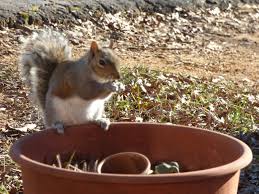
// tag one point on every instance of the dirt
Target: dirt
(238, 61)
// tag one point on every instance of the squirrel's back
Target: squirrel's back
(41, 53)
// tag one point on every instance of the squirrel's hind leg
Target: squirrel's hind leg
(59, 126)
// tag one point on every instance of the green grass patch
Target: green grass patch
(155, 96)
(3, 190)
(75, 8)
(34, 8)
(25, 16)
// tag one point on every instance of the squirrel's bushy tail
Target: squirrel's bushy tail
(41, 53)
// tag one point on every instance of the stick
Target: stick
(74, 168)
(84, 166)
(70, 159)
(59, 161)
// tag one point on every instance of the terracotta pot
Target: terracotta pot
(125, 163)
(211, 161)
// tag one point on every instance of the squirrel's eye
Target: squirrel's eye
(102, 62)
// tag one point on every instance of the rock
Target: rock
(172, 167)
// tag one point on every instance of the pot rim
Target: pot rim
(230, 168)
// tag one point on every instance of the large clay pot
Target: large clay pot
(211, 161)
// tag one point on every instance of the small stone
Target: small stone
(174, 164)
(164, 168)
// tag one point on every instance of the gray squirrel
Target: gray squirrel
(67, 91)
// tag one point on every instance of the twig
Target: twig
(95, 165)
(70, 159)
(84, 166)
(59, 161)
(75, 168)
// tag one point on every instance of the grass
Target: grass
(74, 8)
(3, 190)
(26, 14)
(215, 104)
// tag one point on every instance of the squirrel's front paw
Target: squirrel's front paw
(120, 86)
(115, 86)
(111, 86)
(104, 123)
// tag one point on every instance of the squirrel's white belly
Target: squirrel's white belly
(76, 110)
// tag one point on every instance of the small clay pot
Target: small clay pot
(125, 163)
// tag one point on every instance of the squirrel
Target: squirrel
(67, 91)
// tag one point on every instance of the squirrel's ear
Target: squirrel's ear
(94, 47)
(111, 44)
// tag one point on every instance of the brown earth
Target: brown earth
(238, 60)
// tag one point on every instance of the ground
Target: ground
(204, 45)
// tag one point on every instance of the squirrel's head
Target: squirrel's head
(104, 62)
